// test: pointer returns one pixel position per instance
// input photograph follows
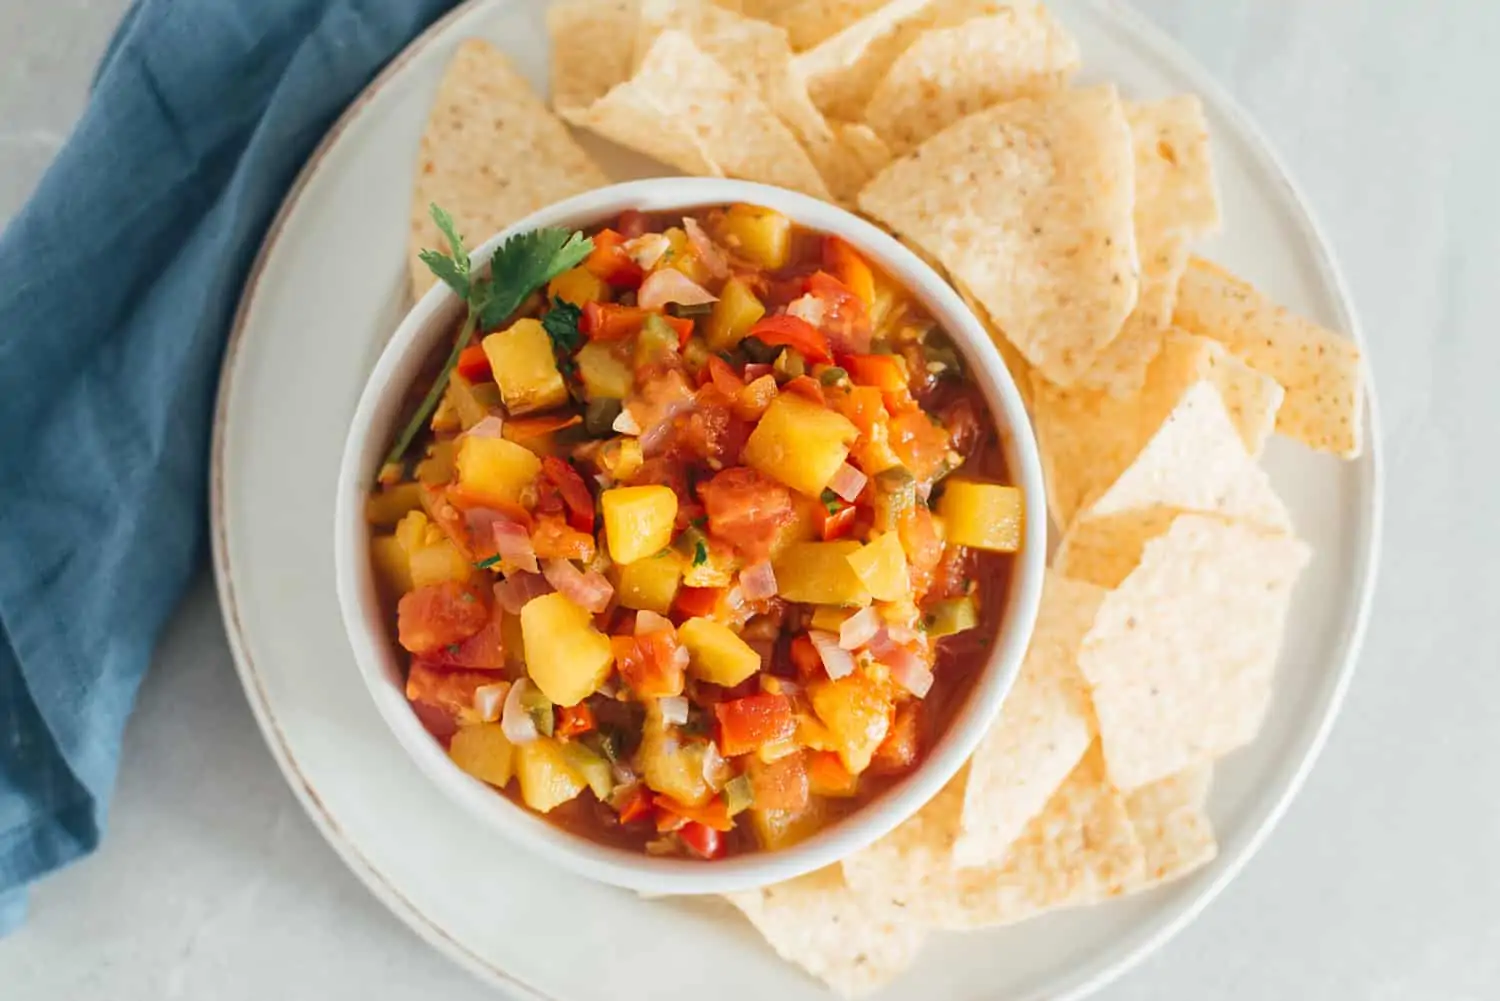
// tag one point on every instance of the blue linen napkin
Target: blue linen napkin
(117, 285)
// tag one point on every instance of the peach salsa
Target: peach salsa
(696, 535)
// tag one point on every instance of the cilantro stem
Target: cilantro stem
(434, 394)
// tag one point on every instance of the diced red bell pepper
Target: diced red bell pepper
(836, 524)
(609, 261)
(608, 321)
(575, 492)
(684, 327)
(792, 332)
(721, 375)
(698, 601)
(805, 658)
(884, 372)
(714, 813)
(703, 840)
(747, 724)
(573, 720)
(519, 429)
(474, 364)
(637, 807)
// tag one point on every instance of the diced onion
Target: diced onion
(674, 709)
(515, 591)
(647, 621)
(837, 661)
(517, 723)
(648, 248)
(809, 308)
(489, 698)
(590, 591)
(715, 772)
(513, 544)
(859, 628)
(671, 285)
(681, 657)
(848, 482)
(624, 775)
(908, 671)
(489, 427)
(709, 254)
(758, 581)
(625, 423)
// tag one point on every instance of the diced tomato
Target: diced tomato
(575, 492)
(902, 745)
(609, 261)
(484, 651)
(638, 806)
(827, 776)
(703, 840)
(848, 266)
(780, 785)
(722, 376)
(805, 658)
(836, 524)
(573, 720)
(792, 332)
(863, 405)
(921, 445)
(746, 509)
(439, 615)
(746, 724)
(633, 223)
(806, 387)
(608, 321)
(554, 539)
(438, 696)
(923, 548)
(474, 364)
(846, 318)
(694, 602)
(711, 431)
(649, 664)
(883, 372)
(713, 814)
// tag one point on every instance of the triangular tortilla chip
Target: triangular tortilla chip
(1042, 731)
(1020, 369)
(948, 73)
(685, 109)
(1028, 203)
(1321, 371)
(809, 22)
(587, 55)
(852, 942)
(1176, 203)
(1169, 819)
(1104, 550)
(1182, 654)
(491, 154)
(1089, 438)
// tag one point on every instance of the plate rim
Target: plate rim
(1164, 50)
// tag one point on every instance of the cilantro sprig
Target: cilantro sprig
(520, 265)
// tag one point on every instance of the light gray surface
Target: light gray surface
(1380, 883)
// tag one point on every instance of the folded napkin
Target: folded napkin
(117, 285)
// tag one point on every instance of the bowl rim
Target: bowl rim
(375, 655)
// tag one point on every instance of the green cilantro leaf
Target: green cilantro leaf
(561, 324)
(487, 562)
(520, 265)
(831, 501)
(700, 553)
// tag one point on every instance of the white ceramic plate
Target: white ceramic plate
(327, 291)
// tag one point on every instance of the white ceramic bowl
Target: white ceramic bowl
(381, 665)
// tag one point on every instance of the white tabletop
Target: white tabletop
(1381, 882)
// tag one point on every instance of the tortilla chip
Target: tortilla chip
(1182, 653)
(1169, 819)
(587, 55)
(1029, 204)
(685, 109)
(1088, 438)
(1080, 849)
(953, 72)
(1104, 550)
(1321, 371)
(1196, 462)
(1020, 369)
(853, 943)
(1041, 733)
(809, 22)
(491, 154)
(1176, 202)
(847, 164)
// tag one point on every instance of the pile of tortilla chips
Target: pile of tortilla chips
(1067, 217)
